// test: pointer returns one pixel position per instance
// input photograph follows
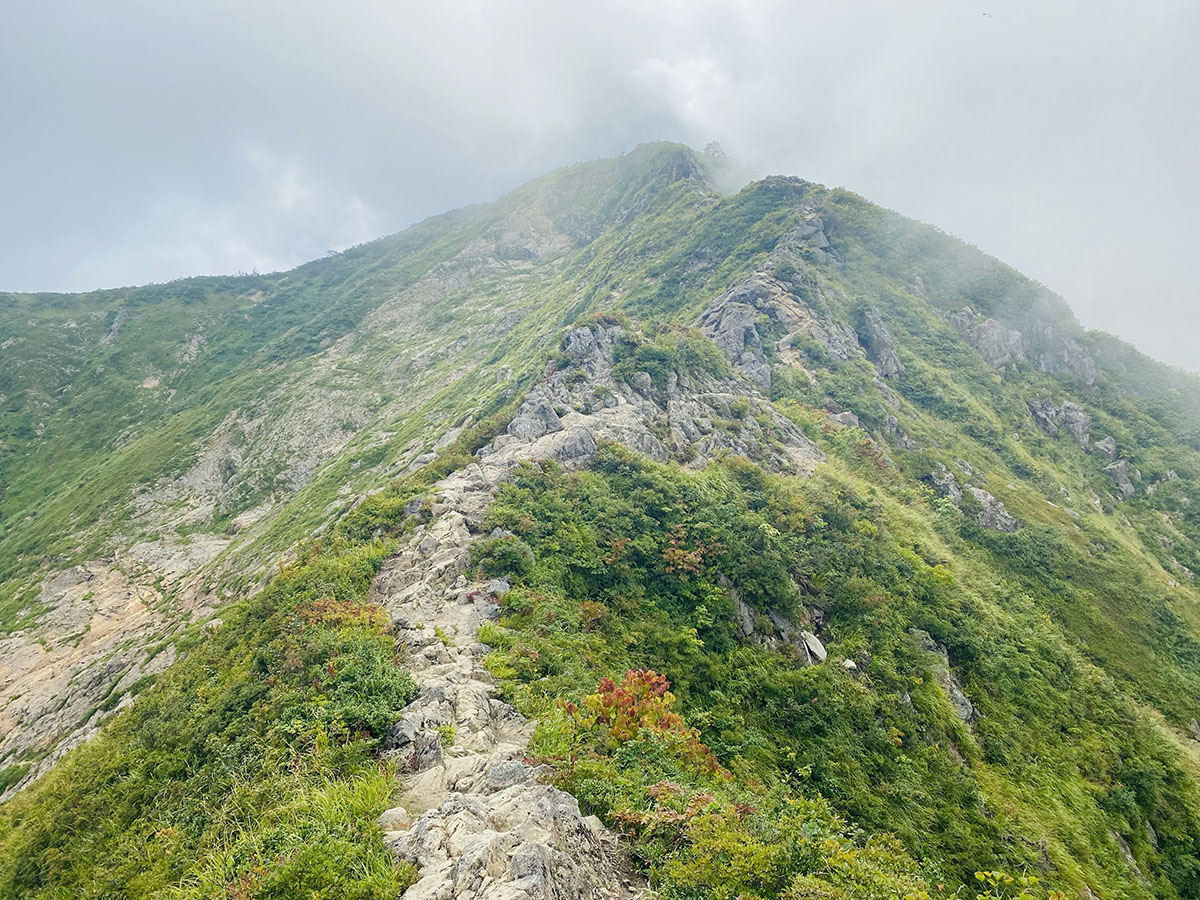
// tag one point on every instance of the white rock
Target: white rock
(814, 645)
(394, 819)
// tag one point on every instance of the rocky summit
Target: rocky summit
(622, 538)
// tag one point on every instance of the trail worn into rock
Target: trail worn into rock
(477, 820)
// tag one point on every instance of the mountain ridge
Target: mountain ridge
(950, 417)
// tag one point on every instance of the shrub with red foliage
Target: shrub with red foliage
(682, 560)
(340, 613)
(642, 702)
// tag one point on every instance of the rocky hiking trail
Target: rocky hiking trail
(477, 820)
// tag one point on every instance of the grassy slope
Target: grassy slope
(80, 432)
(1061, 633)
(248, 769)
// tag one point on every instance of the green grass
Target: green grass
(1077, 638)
(249, 768)
(630, 566)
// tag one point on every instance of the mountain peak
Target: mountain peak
(557, 545)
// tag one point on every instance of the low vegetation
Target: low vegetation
(634, 567)
(1000, 714)
(250, 770)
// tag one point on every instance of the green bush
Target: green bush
(634, 566)
(246, 770)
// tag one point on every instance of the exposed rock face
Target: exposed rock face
(119, 319)
(1045, 416)
(729, 322)
(1126, 853)
(808, 239)
(90, 646)
(1057, 353)
(1001, 348)
(879, 345)
(945, 484)
(1050, 418)
(1108, 447)
(579, 444)
(1078, 423)
(962, 705)
(535, 418)
(580, 343)
(816, 650)
(992, 513)
(897, 435)
(782, 634)
(1120, 472)
(572, 409)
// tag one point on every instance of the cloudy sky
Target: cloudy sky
(142, 141)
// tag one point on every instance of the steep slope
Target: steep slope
(163, 445)
(913, 550)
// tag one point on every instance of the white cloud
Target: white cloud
(144, 136)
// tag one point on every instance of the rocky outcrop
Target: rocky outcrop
(944, 483)
(776, 631)
(807, 240)
(1107, 447)
(1001, 348)
(535, 418)
(880, 347)
(1126, 854)
(730, 324)
(688, 417)
(992, 513)
(1120, 472)
(121, 317)
(983, 507)
(1070, 416)
(1059, 354)
(942, 673)
(897, 435)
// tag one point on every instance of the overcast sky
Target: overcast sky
(142, 141)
